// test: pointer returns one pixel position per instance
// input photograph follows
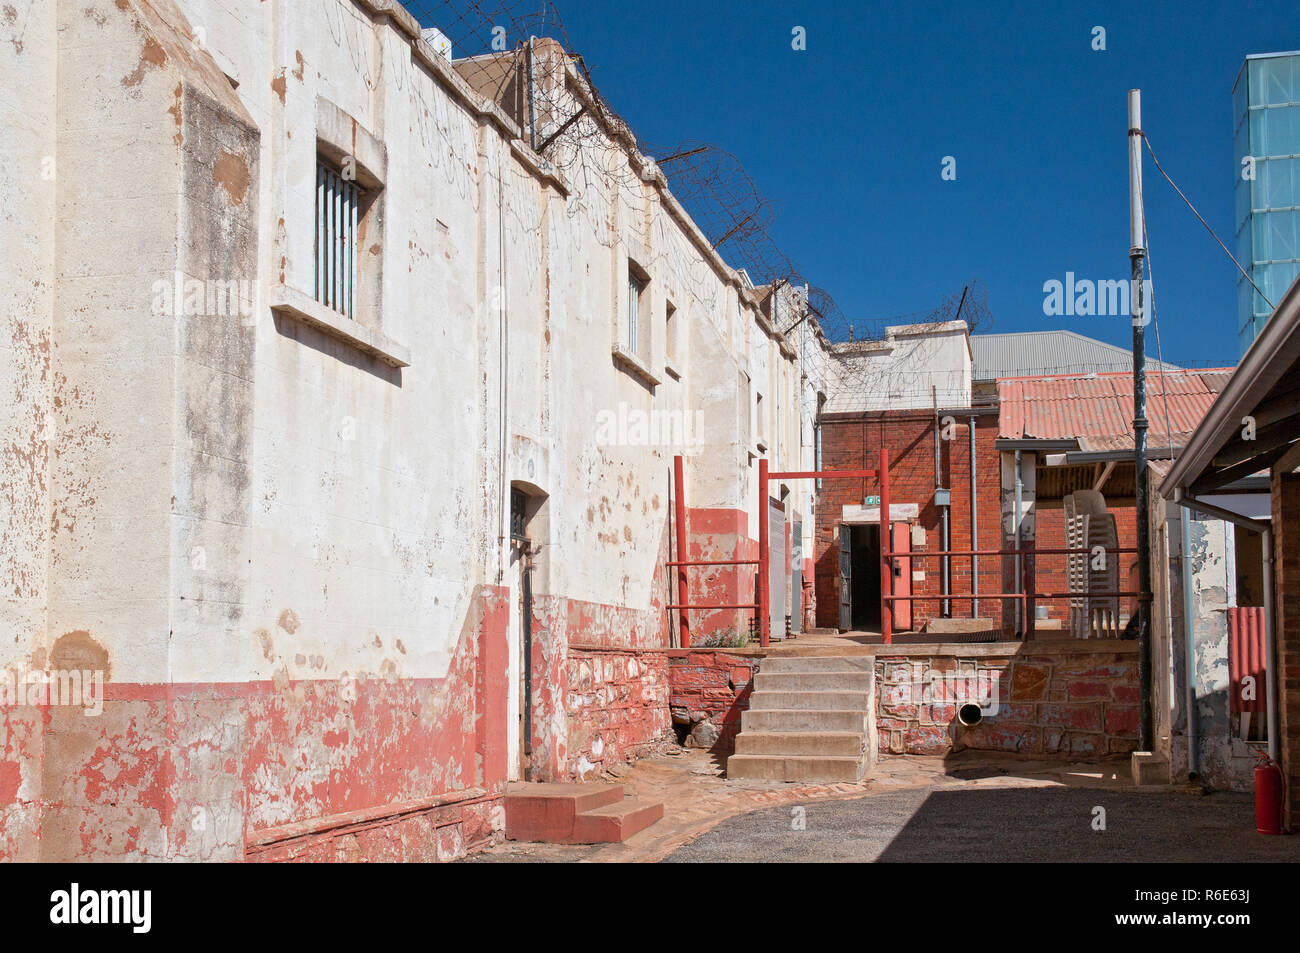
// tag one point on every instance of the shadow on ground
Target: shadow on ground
(992, 825)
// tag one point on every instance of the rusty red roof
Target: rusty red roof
(1097, 409)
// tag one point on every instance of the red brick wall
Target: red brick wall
(1286, 584)
(854, 441)
(1049, 572)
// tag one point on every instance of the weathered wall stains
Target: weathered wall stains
(287, 557)
(1054, 700)
(77, 651)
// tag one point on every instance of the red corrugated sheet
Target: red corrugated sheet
(1097, 409)
(1245, 656)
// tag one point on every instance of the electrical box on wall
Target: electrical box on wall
(942, 497)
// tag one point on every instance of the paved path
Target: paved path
(988, 824)
(970, 807)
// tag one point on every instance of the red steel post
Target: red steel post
(886, 562)
(763, 554)
(679, 490)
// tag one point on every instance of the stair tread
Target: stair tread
(559, 790)
(628, 806)
(768, 691)
(847, 758)
(805, 711)
(613, 823)
(807, 733)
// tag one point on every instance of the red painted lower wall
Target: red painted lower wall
(377, 768)
(202, 771)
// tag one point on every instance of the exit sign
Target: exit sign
(871, 501)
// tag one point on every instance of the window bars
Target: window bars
(338, 202)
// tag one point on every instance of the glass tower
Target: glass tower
(1266, 103)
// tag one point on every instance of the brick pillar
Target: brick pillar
(1286, 588)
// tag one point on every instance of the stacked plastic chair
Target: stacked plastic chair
(1088, 526)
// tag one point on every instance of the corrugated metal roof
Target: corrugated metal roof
(1097, 409)
(1034, 353)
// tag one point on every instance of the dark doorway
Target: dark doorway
(866, 577)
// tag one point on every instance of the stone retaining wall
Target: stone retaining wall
(618, 707)
(708, 691)
(1068, 700)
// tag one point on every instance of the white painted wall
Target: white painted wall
(366, 505)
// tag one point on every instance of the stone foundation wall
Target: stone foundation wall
(709, 690)
(1071, 700)
(618, 707)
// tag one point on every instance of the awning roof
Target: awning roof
(1266, 388)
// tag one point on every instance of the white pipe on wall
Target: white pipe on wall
(1184, 499)
(1189, 662)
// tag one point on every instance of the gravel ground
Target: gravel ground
(1000, 824)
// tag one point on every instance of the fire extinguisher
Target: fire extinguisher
(1269, 786)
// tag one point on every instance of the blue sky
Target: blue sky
(848, 137)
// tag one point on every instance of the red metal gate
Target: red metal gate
(890, 552)
(764, 554)
(681, 563)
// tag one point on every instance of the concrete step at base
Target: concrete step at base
(762, 767)
(818, 663)
(810, 700)
(546, 812)
(801, 719)
(614, 823)
(843, 744)
(766, 681)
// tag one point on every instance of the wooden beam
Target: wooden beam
(1214, 479)
(1276, 408)
(1266, 438)
(1104, 476)
(1288, 462)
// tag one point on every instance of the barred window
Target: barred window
(635, 289)
(338, 206)
(518, 515)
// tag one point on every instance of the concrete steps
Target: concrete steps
(809, 719)
(770, 767)
(827, 743)
(576, 813)
(808, 701)
(799, 720)
(812, 681)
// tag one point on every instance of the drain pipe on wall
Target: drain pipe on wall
(1186, 500)
(1189, 652)
(974, 530)
(532, 101)
(504, 386)
(1020, 603)
(947, 567)
(941, 499)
